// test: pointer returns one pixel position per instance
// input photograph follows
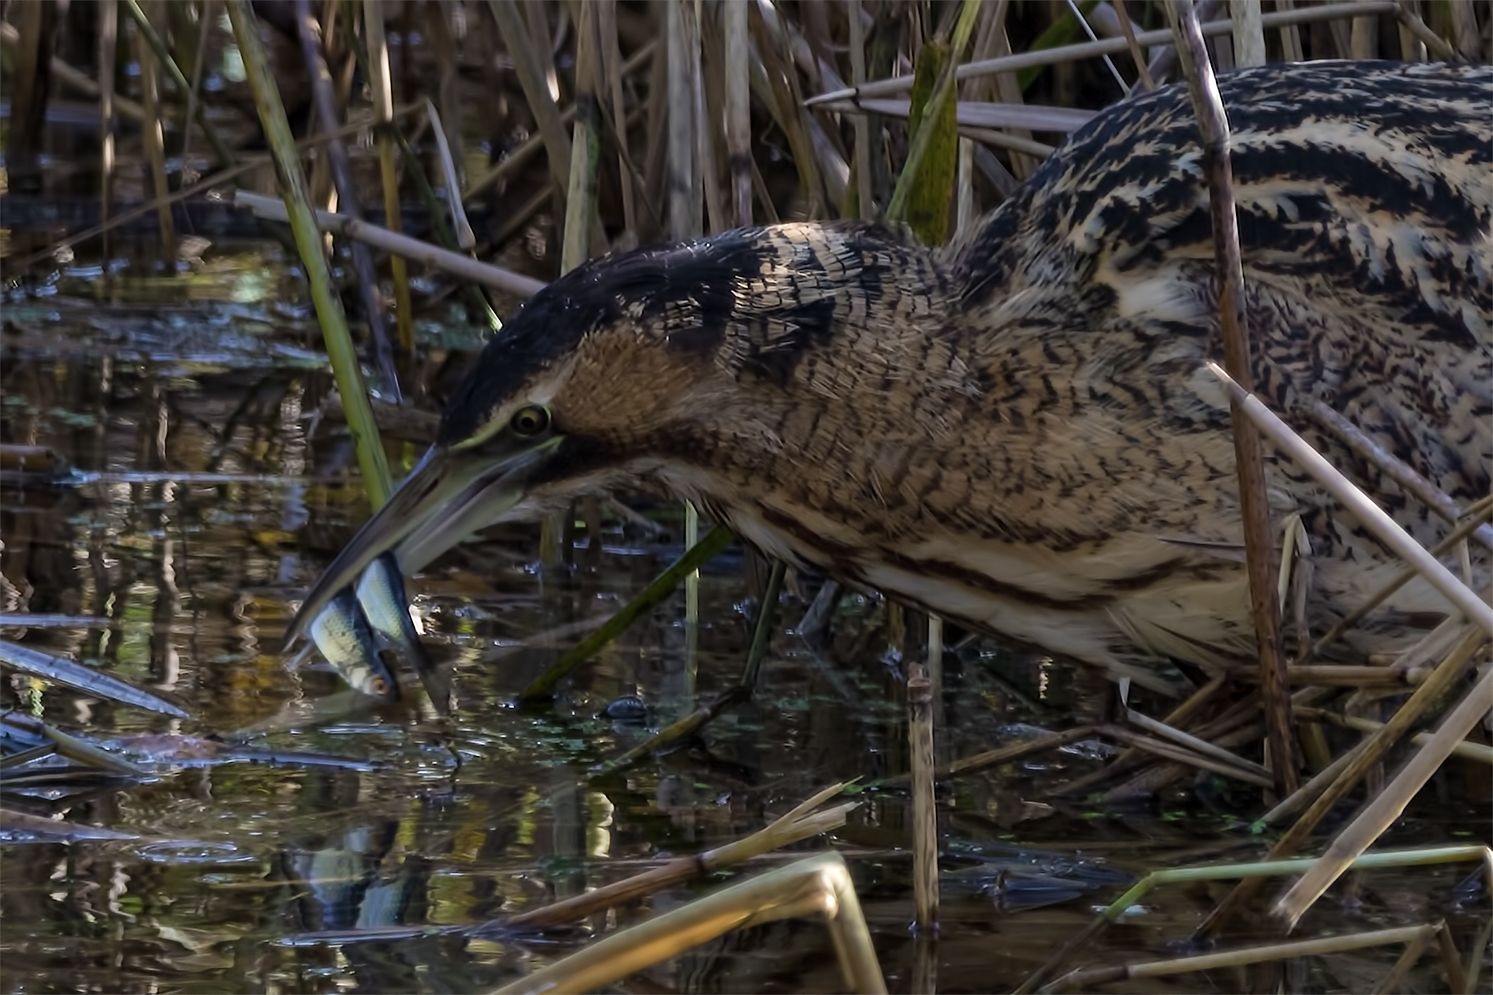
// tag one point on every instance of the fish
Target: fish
(346, 640)
(381, 594)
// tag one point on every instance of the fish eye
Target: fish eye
(529, 420)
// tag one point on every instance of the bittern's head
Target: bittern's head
(626, 366)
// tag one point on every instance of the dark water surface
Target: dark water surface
(206, 495)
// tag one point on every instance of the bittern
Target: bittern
(1017, 432)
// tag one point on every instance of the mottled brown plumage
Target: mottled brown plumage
(1017, 432)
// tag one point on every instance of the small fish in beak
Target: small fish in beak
(342, 633)
(448, 496)
(382, 598)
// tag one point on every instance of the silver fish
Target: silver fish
(381, 594)
(345, 638)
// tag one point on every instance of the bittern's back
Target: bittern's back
(1047, 455)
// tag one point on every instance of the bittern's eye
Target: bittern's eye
(529, 420)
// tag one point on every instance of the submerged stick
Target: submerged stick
(924, 810)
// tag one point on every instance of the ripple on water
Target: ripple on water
(195, 852)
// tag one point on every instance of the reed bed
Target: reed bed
(624, 124)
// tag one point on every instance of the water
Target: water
(205, 494)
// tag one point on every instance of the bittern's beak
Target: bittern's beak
(451, 494)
